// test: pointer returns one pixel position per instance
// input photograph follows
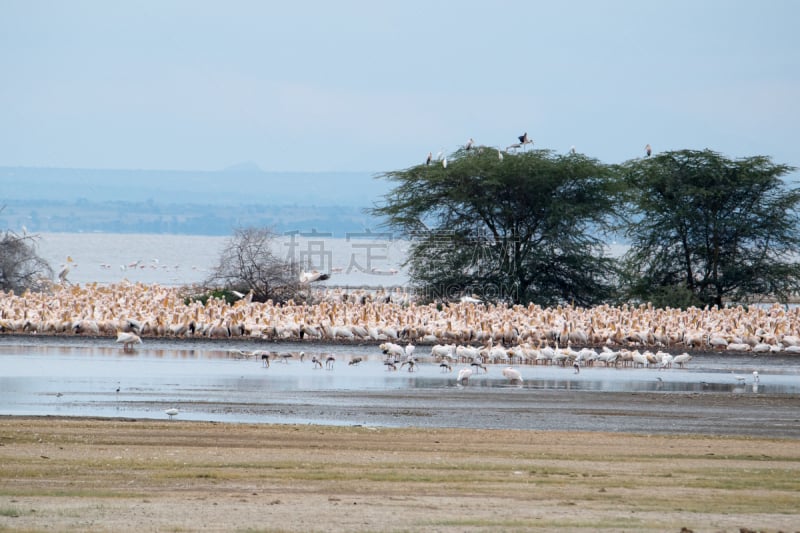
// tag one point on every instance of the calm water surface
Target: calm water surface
(212, 381)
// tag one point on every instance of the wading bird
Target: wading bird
(128, 340)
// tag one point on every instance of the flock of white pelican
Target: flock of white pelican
(526, 332)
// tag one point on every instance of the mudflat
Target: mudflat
(87, 474)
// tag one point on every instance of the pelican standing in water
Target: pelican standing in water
(513, 375)
(128, 340)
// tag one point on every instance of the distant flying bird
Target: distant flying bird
(428, 160)
(470, 142)
(314, 275)
(648, 150)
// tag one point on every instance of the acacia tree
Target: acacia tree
(705, 229)
(248, 263)
(523, 227)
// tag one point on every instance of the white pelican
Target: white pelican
(128, 340)
(463, 375)
(171, 412)
(681, 359)
(513, 375)
(314, 275)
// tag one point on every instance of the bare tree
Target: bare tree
(21, 268)
(248, 263)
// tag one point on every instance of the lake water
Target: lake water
(211, 380)
(363, 259)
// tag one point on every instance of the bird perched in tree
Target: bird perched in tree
(428, 160)
(648, 150)
(469, 144)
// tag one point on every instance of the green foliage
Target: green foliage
(524, 227)
(720, 229)
(221, 294)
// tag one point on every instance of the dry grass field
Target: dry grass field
(66, 474)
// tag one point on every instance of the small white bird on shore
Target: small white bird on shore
(171, 412)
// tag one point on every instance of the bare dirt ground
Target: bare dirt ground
(73, 474)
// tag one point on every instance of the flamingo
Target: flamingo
(329, 362)
(463, 375)
(513, 375)
(172, 412)
(354, 361)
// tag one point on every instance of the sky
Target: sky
(374, 86)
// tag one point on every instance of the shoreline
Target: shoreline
(134, 475)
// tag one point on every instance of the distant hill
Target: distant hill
(240, 183)
(184, 202)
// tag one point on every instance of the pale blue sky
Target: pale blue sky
(374, 86)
